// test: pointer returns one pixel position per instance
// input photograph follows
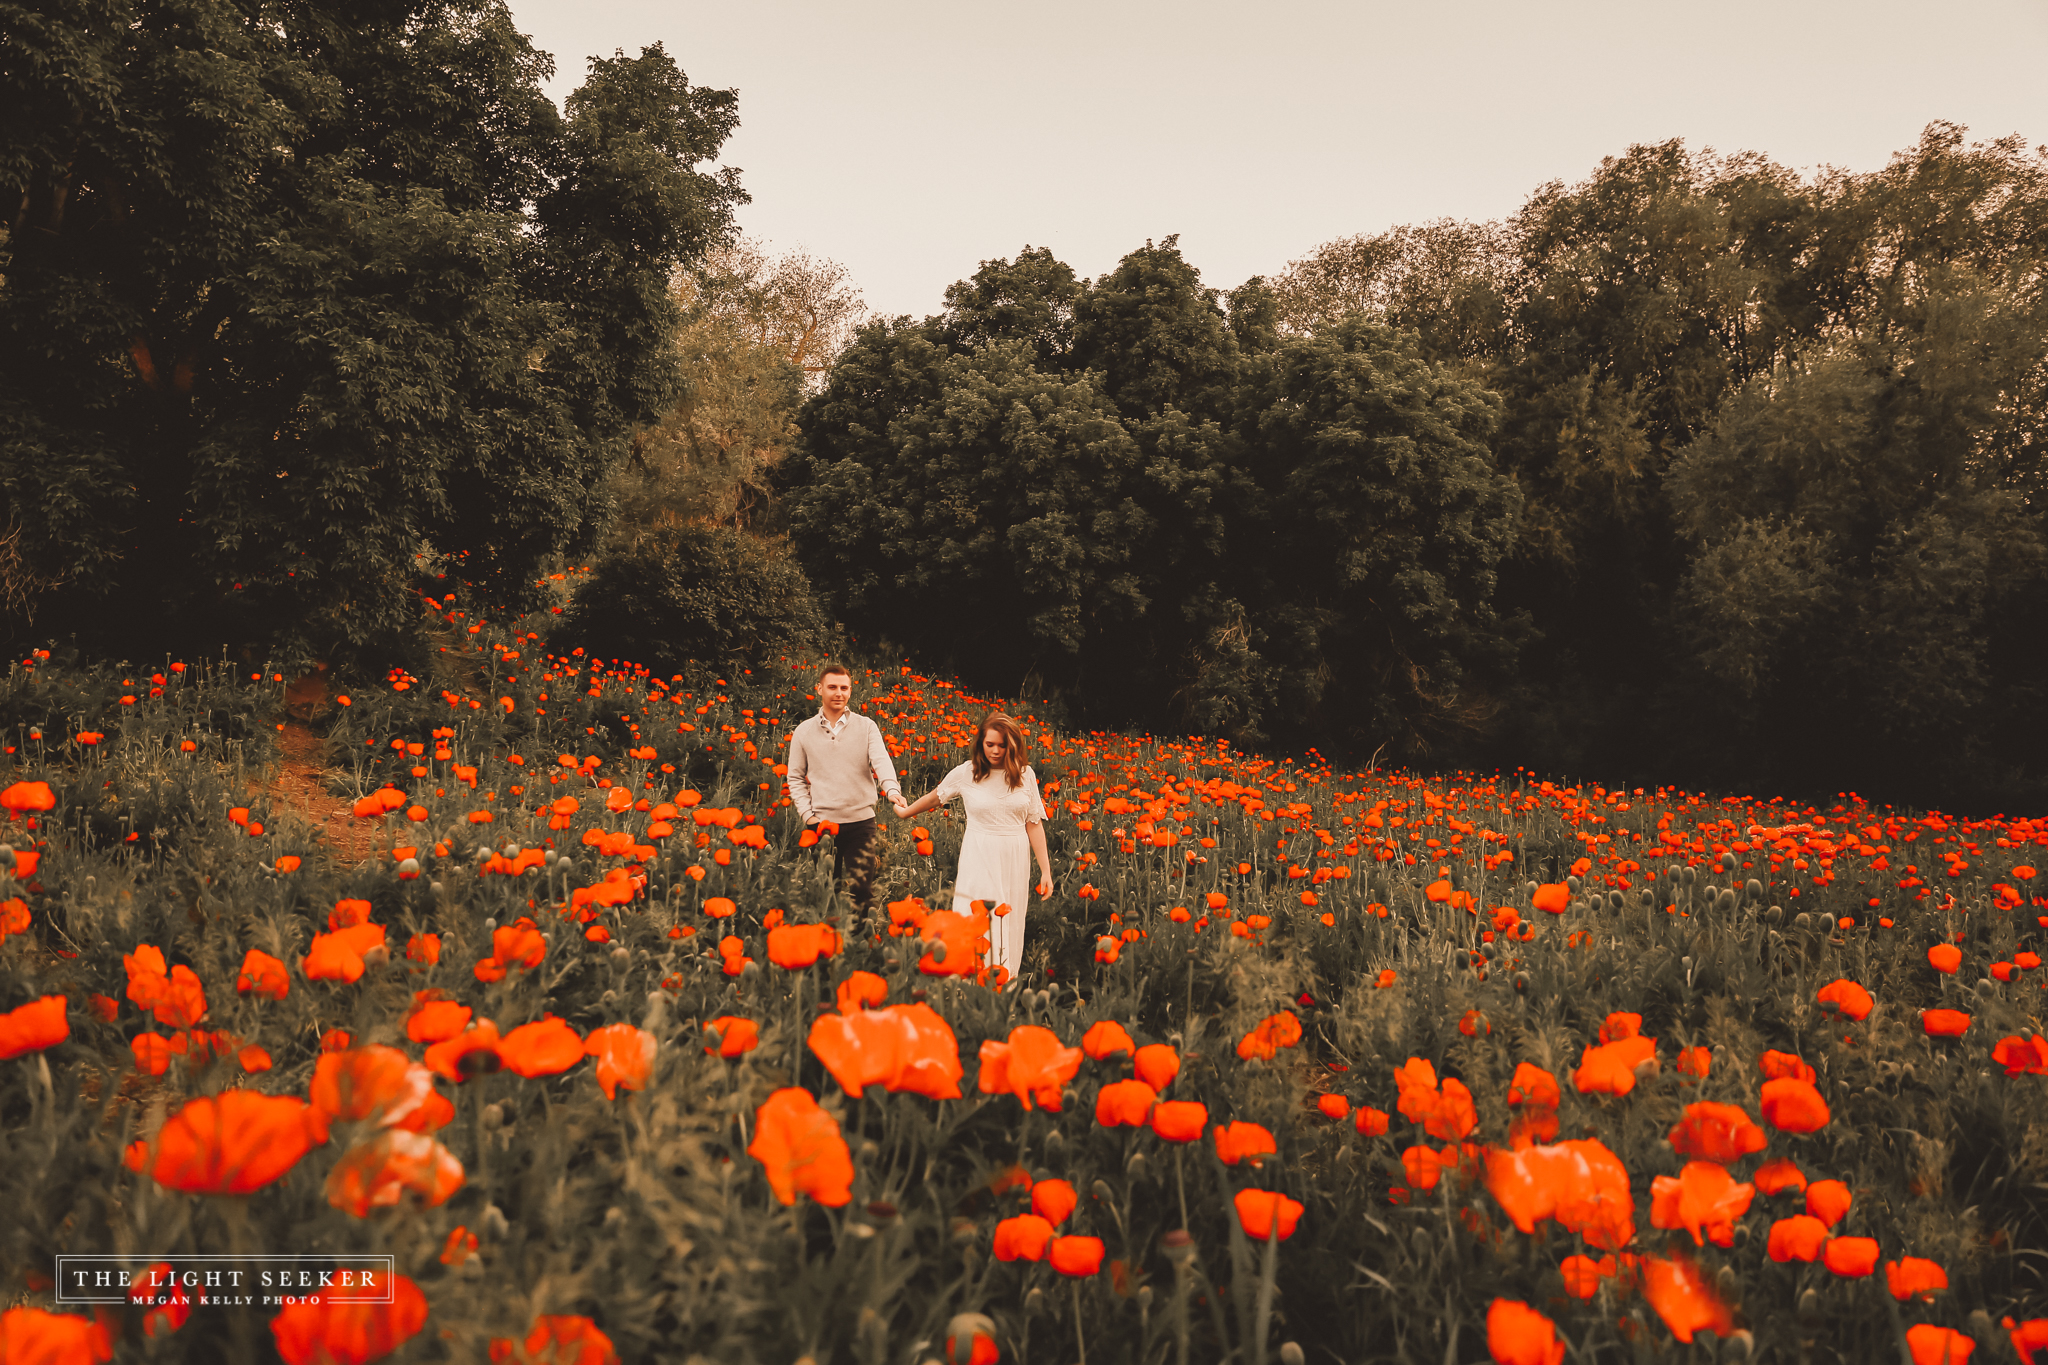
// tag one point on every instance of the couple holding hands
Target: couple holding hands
(836, 760)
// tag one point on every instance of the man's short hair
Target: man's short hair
(829, 669)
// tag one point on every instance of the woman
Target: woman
(1005, 828)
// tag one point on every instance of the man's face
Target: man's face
(835, 690)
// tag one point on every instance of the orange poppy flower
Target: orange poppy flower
(1777, 1065)
(1775, 1176)
(2027, 1337)
(1703, 1199)
(349, 913)
(382, 1170)
(38, 1336)
(1684, 1297)
(1579, 1183)
(34, 1026)
(253, 1059)
(1237, 1142)
(338, 956)
(1533, 1085)
(1423, 1167)
(1106, 1038)
(373, 1083)
(1945, 958)
(625, 1057)
(1078, 1257)
(473, 1052)
(904, 1047)
(1054, 1200)
(1022, 1238)
(1794, 1106)
(263, 975)
(793, 947)
(1610, 1068)
(1179, 1120)
(436, 1021)
(545, 1047)
(1258, 1212)
(1911, 1277)
(1828, 1200)
(968, 1339)
(1932, 1345)
(1032, 1064)
(1333, 1106)
(1944, 1023)
(1126, 1104)
(14, 916)
(1850, 1257)
(348, 1325)
(1582, 1274)
(736, 1036)
(1272, 1033)
(27, 797)
(560, 1339)
(1157, 1064)
(1853, 1001)
(232, 1143)
(152, 1052)
(954, 944)
(1371, 1122)
(1553, 898)
(1696, 1062)
(800, 1148)
(1618, 1026)
(862, 990)
(1517, 1334)
(518, 944)
(1799, 1238)
(1716, 1132)
(423, 948)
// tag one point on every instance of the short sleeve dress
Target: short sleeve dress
(995, 853)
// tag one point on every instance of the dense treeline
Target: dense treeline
(1698, 468)
(297, 299)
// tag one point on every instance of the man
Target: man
(835, 760)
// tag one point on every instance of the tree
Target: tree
(293, 295)
(1449, 282)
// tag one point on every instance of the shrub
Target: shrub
(695, 592)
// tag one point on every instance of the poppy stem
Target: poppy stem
(1269, 1267)
(1080, 1341)
(1180, 1181)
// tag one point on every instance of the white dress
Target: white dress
(995, 853)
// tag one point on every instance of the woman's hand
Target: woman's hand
(1044, 887)
(902, 809)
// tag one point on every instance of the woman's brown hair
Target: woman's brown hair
(1013, 749)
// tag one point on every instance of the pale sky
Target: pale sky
(910, 140)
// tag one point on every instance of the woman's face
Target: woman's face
(993, 746)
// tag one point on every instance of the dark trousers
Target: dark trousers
(850, 863)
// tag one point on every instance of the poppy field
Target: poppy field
(546, 996)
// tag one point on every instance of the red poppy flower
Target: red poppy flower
(1533, 1085)
(1258, 1211)
(1022, 1238)
(348, 1326)
(1703, 1199)
(1333, 1106)
(36, 1336)
(1105, 1039)
(1610, 1068)
(1684, 1298)
(1157, 1064)
(1371, 1122)
(862, 990)
(1237, 1142)
(793, 947)
(436, 1021)
(1517, 1334)
(1828, 1200)
(1945, 958)
(1054, 1200)
(1794, 1106)
(1850, 1257)
(736, 1036)
(1716, 1132)
(382, 1170)
(902, 1047)
(1078, 1257)
(1932, 1345)
(625, 1057)
(338, 956)
(1271, 1034)
(561, 1339)
(1032, 1065)
(1179, 1120)
(954, 944)
(473, 1052)
(1579, 1183)
(34, 1026)
(1423, 1166)
(1126, 1104)
(376, 1084)
(1582, 1274)
(1775, 1176)
(1778, 1065)
(1850, 998)
(1552, 898)
(232, 1143)
(1944, 1023)
(2022, 1056)
(545, 1047)
(799, 1146)
(1620, 1025)
(263, 975)
(1911, 1277)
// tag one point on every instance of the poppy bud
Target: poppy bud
(1178, 1247)
(1460, 959)
(1809, 1304)
(494, 1225)
(1754, 889)
(1984, 988)
(1135, 1167)
(490, 924)
(621, 959)
(1100, 1189)
(1290, 1353)
(1521, 983)
(1034, 1302)
(1055, 1145)
(493, 1117)
(964, 1231)
(1775, 915)
(376, 956)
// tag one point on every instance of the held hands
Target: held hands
(901, 807)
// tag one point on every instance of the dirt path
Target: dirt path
(296, 786)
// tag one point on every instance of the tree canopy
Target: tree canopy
(292, 295)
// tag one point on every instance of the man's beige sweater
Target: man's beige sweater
(833, 771)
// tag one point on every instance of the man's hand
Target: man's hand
(901, 807)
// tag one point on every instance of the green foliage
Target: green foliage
(684, 592)
(278, 314)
